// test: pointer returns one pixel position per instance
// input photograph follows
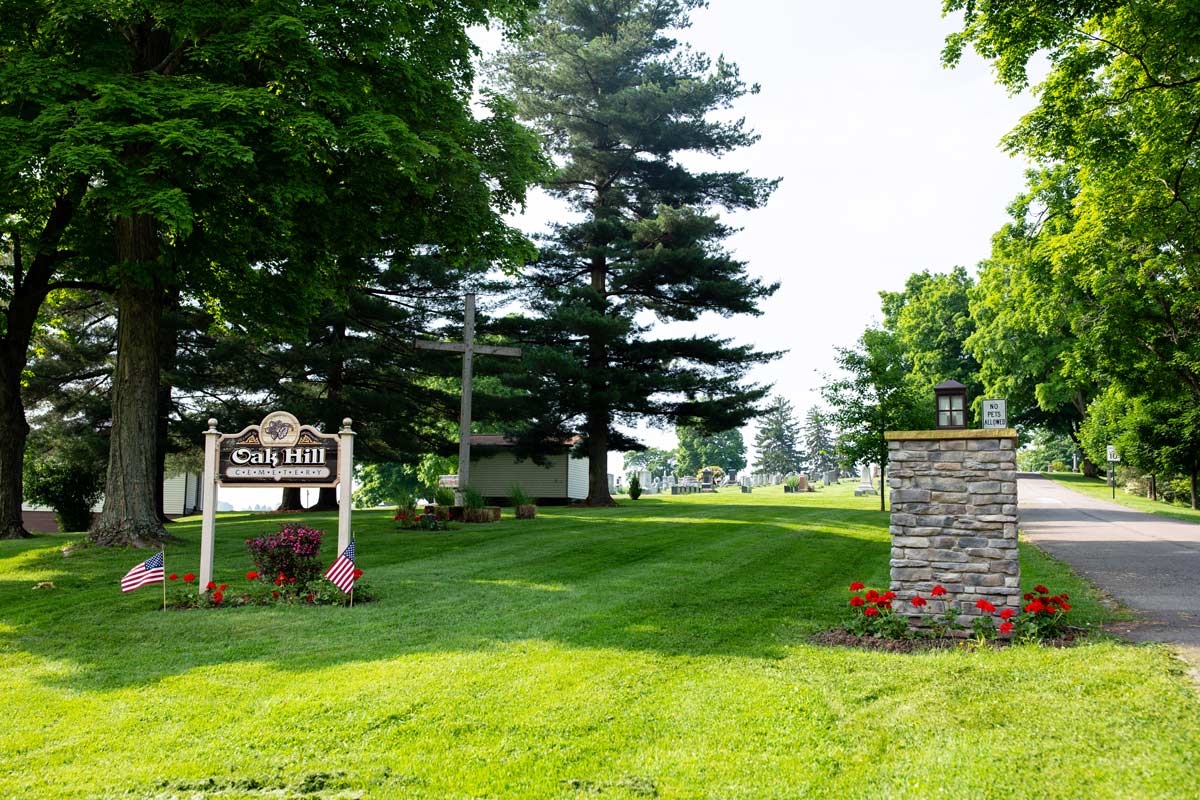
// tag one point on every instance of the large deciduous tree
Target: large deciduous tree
(618, 99)
(697, 450)
(874, 395)
(222, 149)
(1113, 251)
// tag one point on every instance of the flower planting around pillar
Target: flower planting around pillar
(954, 522)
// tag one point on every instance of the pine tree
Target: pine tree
(617, 99)
(777, 440)
(819, 445)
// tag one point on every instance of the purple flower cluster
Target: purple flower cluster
(292, 551)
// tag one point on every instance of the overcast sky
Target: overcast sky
(891, 164)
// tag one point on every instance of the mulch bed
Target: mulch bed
(843, 638)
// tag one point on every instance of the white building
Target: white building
(181, 497)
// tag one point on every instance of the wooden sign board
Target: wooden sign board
(279, 452)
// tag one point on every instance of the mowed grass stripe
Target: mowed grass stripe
(655, 649)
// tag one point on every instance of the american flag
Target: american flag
(149, 571)
(341, 572)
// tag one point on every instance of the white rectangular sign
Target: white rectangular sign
(995, 413)
(1113, 455)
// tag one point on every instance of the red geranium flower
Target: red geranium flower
(1006, 627)
(918, 601)
(1027, 596)
(1065, 606)
(856, 601)
(172, 577)
(357, 574)
(310, 597)
(222, 587)
(856, 587)
(938, 591)
(251, 575)
(872, 595)
(871, 612)
(1036, 607)
(188, 578)
(274, 594)
(1063, 596)
(984, 605)
(217, 598)
(888, 596)
(291, 580)
(210, 586)
(1041, 589)
(279, 579)
(1007, 613)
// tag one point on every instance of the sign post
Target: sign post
(279, 452)
(1113, 458)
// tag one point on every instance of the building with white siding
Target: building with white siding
(561, 478)
(181, 497)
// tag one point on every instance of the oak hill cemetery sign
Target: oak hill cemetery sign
(278, 452)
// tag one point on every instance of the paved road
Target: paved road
(1150, 563)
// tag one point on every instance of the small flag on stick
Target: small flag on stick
(342, 572)
(149, 571)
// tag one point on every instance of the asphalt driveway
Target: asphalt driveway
(1150, 563)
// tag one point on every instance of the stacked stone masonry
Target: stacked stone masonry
(954, 520)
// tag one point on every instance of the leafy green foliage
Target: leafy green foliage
(653, 459)
(635, 486)
(726, 450)
(874, 395)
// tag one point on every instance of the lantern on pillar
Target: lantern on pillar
(951, 405)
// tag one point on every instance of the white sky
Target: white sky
(890, 163)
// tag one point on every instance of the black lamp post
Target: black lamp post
(951, 405)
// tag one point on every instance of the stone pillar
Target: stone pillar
(954, 518)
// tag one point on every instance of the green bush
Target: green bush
(635, 487)
(69, 486)
(443, 496)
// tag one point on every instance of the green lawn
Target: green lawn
(657, 649)
(1098, 487)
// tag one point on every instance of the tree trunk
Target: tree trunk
(13, 432)
(1153, 488)
(129, 516)
(1195, 500)
(168, 356)
(327, 497)
(291, 500)
(1089, 469)
(882, 499)
(598, 413)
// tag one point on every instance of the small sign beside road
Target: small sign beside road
(995, 413)
(1113, 455)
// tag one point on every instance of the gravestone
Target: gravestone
(830, 477)
(802, 486)
(612, 484)
(954, 518)
(865, 484)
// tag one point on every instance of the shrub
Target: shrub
(69, 485)
(792, 482)
(443, 496)
(635, 488)
(519, 497)
(472, 498)
(292, 552)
